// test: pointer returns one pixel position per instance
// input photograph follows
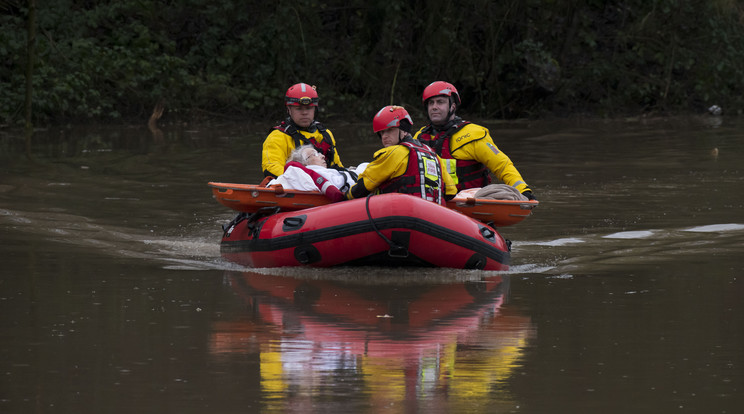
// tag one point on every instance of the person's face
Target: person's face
(302, 115)
(438, 107)
(390, 136)
(313, 157)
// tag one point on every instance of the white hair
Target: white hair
(297, 154)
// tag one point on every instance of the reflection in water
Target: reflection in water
(389, 345)
(152, 123)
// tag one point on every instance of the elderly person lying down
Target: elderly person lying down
(306, 170)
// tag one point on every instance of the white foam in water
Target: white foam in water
(379, 275)
(562, 276)
(556, 242)
(713, 228)
(529, 268)
(184, 264)
(630, 235)
(188, 247)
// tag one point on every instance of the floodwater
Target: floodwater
(625, 292)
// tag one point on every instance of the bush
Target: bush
(115, 59)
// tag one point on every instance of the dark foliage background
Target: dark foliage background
(234, 59)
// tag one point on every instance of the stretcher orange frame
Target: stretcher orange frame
(249, 198)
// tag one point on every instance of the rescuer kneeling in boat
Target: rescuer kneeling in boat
(300, 128)
(404, 165)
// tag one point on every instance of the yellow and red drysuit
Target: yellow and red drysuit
(285, 137)
(402, 168)
(469, 154)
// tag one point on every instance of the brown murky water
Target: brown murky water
(625, 292)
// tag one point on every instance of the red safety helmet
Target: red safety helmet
(392, 116)
(301, 94)
(439, 88)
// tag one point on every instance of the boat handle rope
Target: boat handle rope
(396, 250)
(251, 217)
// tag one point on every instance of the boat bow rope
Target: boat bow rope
(396, 250)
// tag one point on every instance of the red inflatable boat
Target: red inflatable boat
(381, 230)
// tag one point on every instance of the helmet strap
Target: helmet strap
(451, 110)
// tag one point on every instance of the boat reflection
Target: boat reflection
(445, 343)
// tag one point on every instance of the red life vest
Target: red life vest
(325, 146)
(466, 174)
(423, 176)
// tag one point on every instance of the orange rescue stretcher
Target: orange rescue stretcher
(249, 198)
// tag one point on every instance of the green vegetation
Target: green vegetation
(115, 59)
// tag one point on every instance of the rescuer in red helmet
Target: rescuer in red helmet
(300, 128)
(404, 165)
(466, 148)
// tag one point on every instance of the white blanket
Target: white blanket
(296, 179)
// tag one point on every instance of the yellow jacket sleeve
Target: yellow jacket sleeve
(276, 149)
(473, 142)
(388, 163)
